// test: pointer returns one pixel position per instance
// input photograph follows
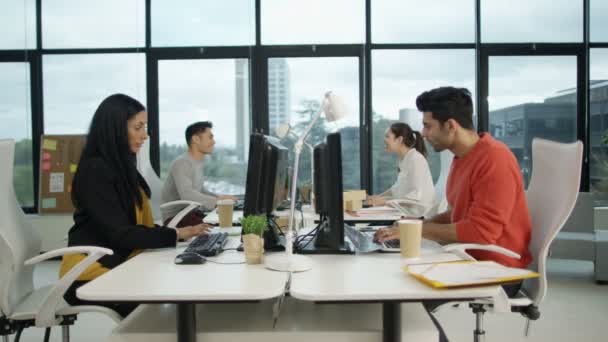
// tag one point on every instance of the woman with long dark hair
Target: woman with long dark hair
(413, 191)
(111, 197)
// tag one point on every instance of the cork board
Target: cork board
(59, 156)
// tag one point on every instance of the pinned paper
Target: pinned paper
(56, 181)
(46, 156)
(73, 168)
(46, 166)
(49, 144)
(49, 203)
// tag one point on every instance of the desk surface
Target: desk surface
(370, 277)
(153, 277)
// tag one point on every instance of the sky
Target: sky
(193, 90)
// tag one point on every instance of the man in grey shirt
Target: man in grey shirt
(186, 178)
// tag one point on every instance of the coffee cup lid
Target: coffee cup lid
(225, 202)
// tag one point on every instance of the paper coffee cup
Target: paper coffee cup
(410, 236)
(224, 212)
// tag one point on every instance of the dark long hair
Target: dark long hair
(108, 139)
(410, 137)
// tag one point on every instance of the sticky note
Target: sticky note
(49, 144)
(46, 166)
(49, 203)
(46, 156)
(73, 168)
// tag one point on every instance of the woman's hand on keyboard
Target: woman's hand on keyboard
(185, 233)
(387, 233)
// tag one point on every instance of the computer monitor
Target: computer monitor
(266, 181)
(329, 198)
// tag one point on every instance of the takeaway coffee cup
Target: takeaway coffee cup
(224, 212)
(410, 236)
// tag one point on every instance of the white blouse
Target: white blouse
(414, 185)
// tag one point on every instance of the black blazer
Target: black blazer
(105, 216)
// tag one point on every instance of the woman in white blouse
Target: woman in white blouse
(413, 191)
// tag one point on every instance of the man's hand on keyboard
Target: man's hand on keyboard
(185, 233)
(387, 233)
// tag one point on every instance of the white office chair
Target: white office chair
(22, 305)
(144, 166)
(551, 196)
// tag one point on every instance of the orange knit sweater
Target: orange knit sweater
(486, 193)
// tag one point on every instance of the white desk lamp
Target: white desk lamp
(282, 132)
(334, 109)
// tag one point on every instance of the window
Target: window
(304, 83)
(598, 13)
(75, 85)
(313, 22)
(215, 90)
(16, 113)
(529, 97)
(417, 21)
(207, 23)
(532, 21)
(599, 120)
(18, 24)
(399, 76)
(93, 24)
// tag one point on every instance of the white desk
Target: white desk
(373, 278)
(152, 277)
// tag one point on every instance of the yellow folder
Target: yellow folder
(467, 273)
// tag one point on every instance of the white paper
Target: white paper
(56, 181)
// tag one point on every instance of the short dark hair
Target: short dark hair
(448, 103)
(196, 128)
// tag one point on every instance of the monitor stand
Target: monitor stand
(346, 248)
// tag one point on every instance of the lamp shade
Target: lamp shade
(334, 108)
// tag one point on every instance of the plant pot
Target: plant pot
(253, 246)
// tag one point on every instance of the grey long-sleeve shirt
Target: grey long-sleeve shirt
(186, 182)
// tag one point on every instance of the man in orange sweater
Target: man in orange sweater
(485, 192)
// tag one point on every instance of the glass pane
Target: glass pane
(529, 97)
(398, 77)
(599, 25)
(15, 114)
(75, 85)
(296, 87)
(208, 23)
(93, 24)
(418, 21)
(599, 120)
(186, 96)
(532, 21)
(313, 22)
(18, 24)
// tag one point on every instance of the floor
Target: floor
(575, 310)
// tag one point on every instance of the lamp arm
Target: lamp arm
(294, 184)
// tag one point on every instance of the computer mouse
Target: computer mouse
(190, 258)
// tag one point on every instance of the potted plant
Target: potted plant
(254, 227)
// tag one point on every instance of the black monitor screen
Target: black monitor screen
(266, 175)
(329, 197)
(266, 181)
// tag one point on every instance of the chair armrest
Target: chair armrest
(69, 250)
(46, 316)
(461, 247)
(179, 202)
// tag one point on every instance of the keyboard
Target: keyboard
(208, 244)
